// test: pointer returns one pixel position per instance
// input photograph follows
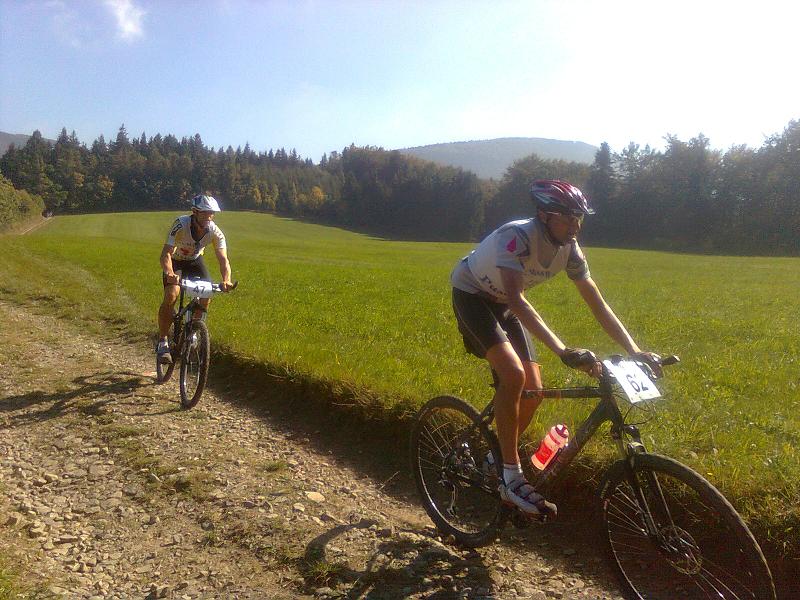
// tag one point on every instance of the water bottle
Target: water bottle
(556, 438)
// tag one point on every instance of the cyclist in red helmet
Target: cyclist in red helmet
(496, 320)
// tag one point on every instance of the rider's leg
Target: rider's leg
(511, 377)
(165, 311)
(528, 406)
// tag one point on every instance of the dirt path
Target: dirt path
(34, 226)
(109, 490)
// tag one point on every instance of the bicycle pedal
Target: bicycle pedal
(523, 520)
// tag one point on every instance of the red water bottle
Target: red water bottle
(556, 438)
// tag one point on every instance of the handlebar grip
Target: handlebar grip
(670, 360)
(217, 287)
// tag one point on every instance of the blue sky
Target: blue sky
(318, 75)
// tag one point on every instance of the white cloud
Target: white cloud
(129, 18)
(66, 24)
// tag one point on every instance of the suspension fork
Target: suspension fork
(657, 505)
(629, 444)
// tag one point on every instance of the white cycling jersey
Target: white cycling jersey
(186, 247)
(521, 246)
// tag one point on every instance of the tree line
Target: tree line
(17, 206)
(686, 197)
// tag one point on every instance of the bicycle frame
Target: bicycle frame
(606, 410)
(179, 318)
(182, 310)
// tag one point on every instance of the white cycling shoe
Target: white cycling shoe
(520, 494)
(162, 352)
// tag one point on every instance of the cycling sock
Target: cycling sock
(511, 472)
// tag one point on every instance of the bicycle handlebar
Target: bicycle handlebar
(670, 360)
(217, 287)
(203, 289)
(656, 373)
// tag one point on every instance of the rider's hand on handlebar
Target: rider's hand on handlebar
(227, 286)
(172, 278)
(651, 359)
(582, 360)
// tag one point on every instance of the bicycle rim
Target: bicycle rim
(698, 546)
(458, 486)
(194, 364)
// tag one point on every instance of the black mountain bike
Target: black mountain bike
(669, 533)
(190, 343)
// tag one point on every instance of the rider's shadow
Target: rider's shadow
(89, 395)
(405, 564)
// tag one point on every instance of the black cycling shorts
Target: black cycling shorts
(484, 323)
(188, 269)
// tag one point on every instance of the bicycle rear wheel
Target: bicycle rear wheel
(697, 545)
(457, 484)
(194, 364)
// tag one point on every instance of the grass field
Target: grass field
(375, 315)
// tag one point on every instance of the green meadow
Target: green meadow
(374, 316)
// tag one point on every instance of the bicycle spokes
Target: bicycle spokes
(458, 487)
(669, 541)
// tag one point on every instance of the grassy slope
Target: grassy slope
(376, 315)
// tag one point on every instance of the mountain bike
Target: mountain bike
(190, 343)
(668, 532)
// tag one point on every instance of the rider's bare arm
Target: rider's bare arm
(224, 267)
(604, 315)
(519, 305)
(166, 263)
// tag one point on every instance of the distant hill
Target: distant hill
(18, 139)
(491, 158)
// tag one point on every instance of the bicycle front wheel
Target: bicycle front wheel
(194, 363)
(671, 534)
(456, 460)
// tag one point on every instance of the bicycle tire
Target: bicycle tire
(164, 370)
(703, 548)
(194, 364)
(448, 443)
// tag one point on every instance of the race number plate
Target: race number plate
(198, 289)
(634, 381)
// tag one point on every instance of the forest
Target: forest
(686, 197)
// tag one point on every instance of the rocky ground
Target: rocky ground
(109, 490)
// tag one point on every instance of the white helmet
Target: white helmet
(203, 202)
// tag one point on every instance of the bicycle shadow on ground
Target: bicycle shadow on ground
(403, 564)
(88, 395)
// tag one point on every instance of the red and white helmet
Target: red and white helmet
(554, 195)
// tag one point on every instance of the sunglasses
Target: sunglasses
(570, 219)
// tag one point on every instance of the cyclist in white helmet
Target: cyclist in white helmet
(182, 256)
